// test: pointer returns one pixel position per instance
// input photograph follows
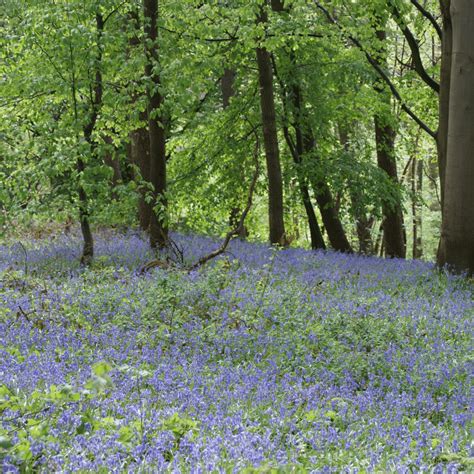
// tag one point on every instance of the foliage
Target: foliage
(53, 48)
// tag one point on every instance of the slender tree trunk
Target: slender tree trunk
(317, 241)
(457, 234)
(227, 90)
(331, 221)
(416, 189)
(158, 217)
(394, 236)
(379, 241)
(364, 235)
(419, 216)
(270, 138)
(333, 225)
(363, 222)
(306, 143)
(88, 249)
(414, 207)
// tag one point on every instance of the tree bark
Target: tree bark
(88, 247)
(270, 137)
(457, 234)
(333, 225)
(158, 217)
(394, 239)
(305, 145)
(140, 156)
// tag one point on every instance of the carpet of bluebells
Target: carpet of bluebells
(260, 361)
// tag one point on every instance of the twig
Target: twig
(22, 312)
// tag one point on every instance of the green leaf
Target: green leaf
(101, 368)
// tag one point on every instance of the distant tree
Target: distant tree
(88, 130)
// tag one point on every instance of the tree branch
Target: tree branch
(380, 71)
(429, 17)
(415, 49)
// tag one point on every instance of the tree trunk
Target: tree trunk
(416, 189)
(394, 239)
(364, 234)
(227, 90)
(457, 234)
(331, 221)
(306, 145)
(88, 249)
(394, 234)
(445, 86)
(112, 160)
(227, 86)
(140, 156)
(139, 150)
(363, 223)
(270, 138)
(158, 217)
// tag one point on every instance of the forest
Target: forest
(236, 236)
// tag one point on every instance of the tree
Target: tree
(156, 129)
(304, 147)
(393, 231)
(457, 237)
(88, 129)
(139, 149)
(270, 138)
(363, 222)
(291, 98)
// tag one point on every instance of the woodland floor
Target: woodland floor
(296, 360)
